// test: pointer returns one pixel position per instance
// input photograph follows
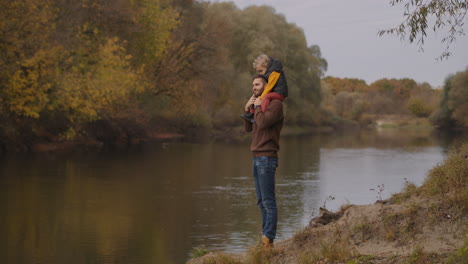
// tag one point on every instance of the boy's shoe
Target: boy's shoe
(248, 117)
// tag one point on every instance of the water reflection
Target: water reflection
(153, 204)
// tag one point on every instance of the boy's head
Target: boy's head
(260, 64)
(258, 84)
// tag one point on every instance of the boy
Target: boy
(272, 70)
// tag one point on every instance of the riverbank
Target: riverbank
(426, 224)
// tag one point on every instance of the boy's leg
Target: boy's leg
(249, 116)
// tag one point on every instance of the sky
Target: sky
(346, 32)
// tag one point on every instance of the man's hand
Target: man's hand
(249, 103)
(258, 101)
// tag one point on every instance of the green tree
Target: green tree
(457, 101)
(261, 30)
(419, 108)
(155, 20)
(454, 103)
(423, 100)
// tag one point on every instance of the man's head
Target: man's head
(258, 84)
(260, 64)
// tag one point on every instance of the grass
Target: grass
(221, 258)
(327, 252)
(364, 259)
(336, 251)
(461, 256)
(361, 231)
(449, 181)
(402, 226)
(327, 247)
(261, 255)
(302, 236)
(409, 191)
(419, 256)
(198, 252)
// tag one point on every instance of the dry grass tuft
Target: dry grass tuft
(461, 256)
(220, 258)
(362, 231)
(199, 252)
(262, 255)
(410, 190)
(449, 181)
(331, 251)
(402, 225)
(419, 256)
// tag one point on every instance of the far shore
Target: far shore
(223, 134)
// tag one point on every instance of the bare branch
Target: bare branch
(449, 15)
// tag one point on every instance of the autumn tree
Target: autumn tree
(26, 56)
(337, 85)
(423, 100)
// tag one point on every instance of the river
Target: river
(154, 203)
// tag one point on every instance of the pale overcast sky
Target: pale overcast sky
(346, 31)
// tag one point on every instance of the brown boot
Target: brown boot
(267, 242)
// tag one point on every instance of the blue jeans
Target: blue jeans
(264, 169)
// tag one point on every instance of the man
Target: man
(277, 85)
(265, 146)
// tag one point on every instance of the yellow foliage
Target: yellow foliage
(29, 86)
(25, 26)
(87, 96)
(157, 20)
(27, 59)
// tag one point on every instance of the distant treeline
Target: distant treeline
(353, 99)
(112, 71)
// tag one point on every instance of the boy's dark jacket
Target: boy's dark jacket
(281, 86)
